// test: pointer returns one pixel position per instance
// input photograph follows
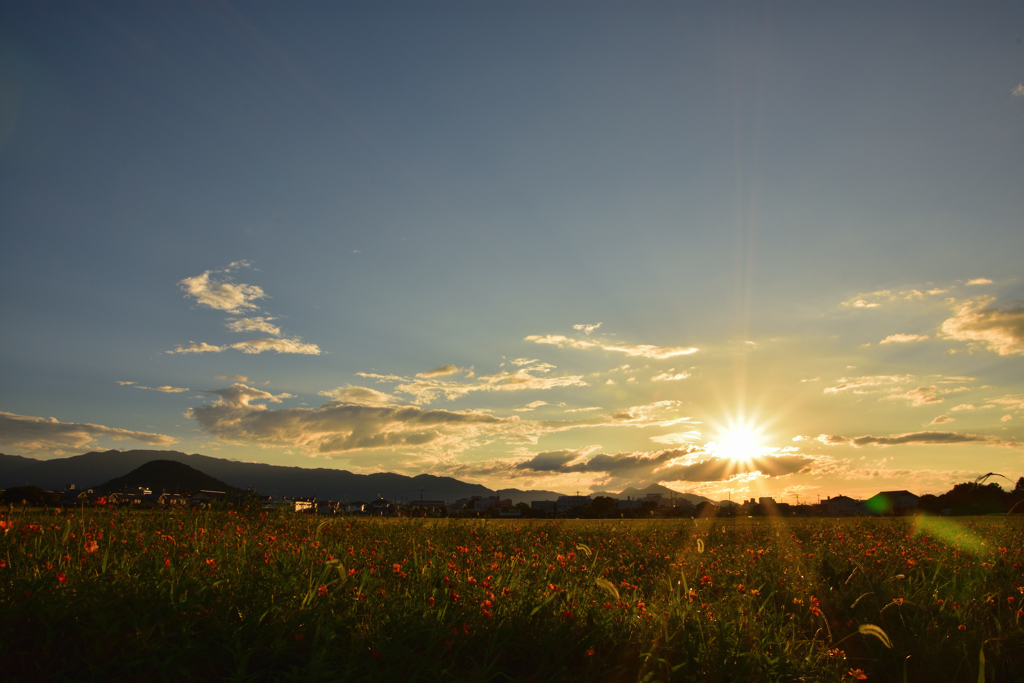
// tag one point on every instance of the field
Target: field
(217, 595)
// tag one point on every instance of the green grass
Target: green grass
(224, 596)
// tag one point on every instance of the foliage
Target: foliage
(99, 594)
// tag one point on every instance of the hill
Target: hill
(667, 494)
(93, 469)
(166, 476)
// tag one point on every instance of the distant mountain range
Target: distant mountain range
(94, 469)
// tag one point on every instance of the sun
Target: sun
(738, 442)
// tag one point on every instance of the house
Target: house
(841, 506)
(891, 503)
(428, 504)
(206, 498)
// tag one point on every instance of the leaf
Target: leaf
(877, 632)
(700, 546)
(981, 664)
(584, 548)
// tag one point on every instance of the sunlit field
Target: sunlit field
(109, 595)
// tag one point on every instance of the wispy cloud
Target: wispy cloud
(48, 435)
(222, 293)
(360, 396)
(217, 290)
(903, 338)
(979, 281)
(942, 419)
(165, 389)
(860, 385)
(998, 329)
(634, 350)
(1018, 91)
(919, 397)
(586, 329)
(440, 371)
(257, 324)
(531, 406)
(670, 377)
(885, 296)
(252, 346)
(424, 390)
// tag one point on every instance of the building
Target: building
(572, 502)
(891, 503)
(841, 506)
(545, 506)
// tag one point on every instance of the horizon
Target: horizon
(739, 250)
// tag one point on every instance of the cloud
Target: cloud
(252, 346)
(668, 377)
(233, 378)
(886, 296)
(677, 438)
(165, 389)
(633, 350)
(998, 329)
(1018, 91)
(688, 464)
(942, 419)
(586, 329)
(903, 338)
(963, 406)
(254, 325)
(47, 435)
(338, 427)
(979, 281)
(440, 371)
(531, 406)
(583, 410)
(935, 438)
(222, 294)
(425, 390)
(860, 385)
(362, 396)
(1006, 418)
(920, 396)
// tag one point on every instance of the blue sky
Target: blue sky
(381, 236)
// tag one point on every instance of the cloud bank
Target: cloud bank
(47, 435)
(355, 421)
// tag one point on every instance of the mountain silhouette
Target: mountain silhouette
(166, 476)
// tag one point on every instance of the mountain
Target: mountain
(92, 469)
(667, 494)
(519, 496)
(166, 476)
(9, 464)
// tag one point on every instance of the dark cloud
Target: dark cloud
(336, 427)
(913, 438)
(661, 466)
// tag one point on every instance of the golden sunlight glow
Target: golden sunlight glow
(739, 442)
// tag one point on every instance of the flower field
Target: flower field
(219, 595)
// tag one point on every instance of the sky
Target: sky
(738, 249)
